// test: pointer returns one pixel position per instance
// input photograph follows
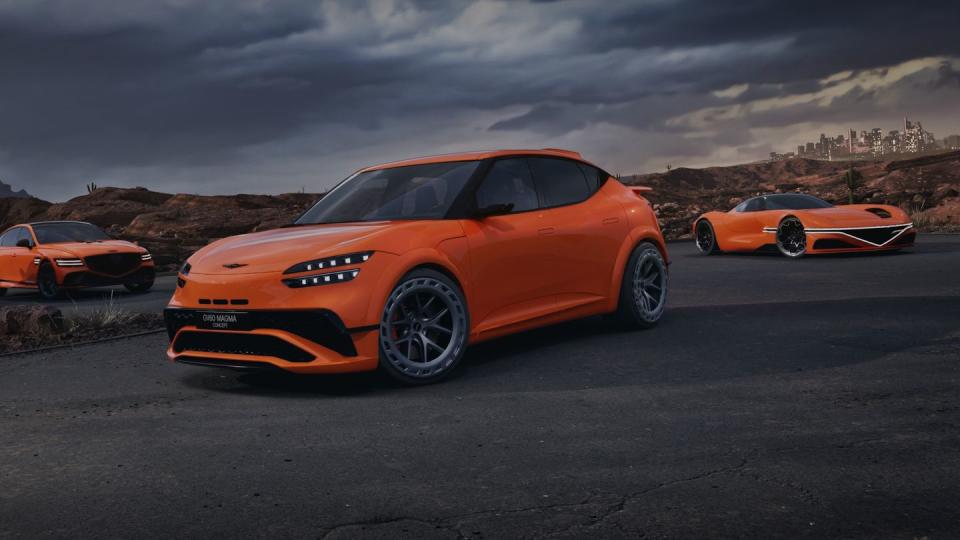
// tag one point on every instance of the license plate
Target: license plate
(224, 320)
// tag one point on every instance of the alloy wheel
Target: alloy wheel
(705, 238)
(423, 328)
(791, 237)
(649, 285)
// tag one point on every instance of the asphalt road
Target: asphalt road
(811, 398)
(84, 300)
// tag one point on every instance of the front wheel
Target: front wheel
(643, 293)
(47, 282)
(423, 328)
(139, 286)
(791, 237)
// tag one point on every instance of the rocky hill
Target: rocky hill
(174, 226)
(7, 191)
(927, 187)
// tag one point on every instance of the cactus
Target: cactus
(91, 187)
(853, 179)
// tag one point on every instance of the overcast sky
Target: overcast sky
(228, 96)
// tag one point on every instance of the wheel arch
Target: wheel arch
(637, 237)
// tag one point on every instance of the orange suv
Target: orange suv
(403, 265)
(51, 256)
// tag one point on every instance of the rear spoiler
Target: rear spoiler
(640, 190)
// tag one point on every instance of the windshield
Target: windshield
(794, 202)
(55, 233)
(412, 192)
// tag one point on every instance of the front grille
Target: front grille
(322, 326)
(113, 264)
(87, 279)
(244, 344)
(879, 236)
(831, 243)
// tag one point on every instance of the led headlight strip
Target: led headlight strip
(69, 262)
(321, 279)
(146, 257)
(36, 261)
(330, 263)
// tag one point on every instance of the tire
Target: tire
(791, 238)
(425, 315)
(3, 292)
(643, 292)
(705, 238)
(47, 282)
(139, 287)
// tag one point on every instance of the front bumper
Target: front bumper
(301, 341)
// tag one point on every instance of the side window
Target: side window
(24, 235)
(508, 182)
(753, 205)
(9, 238)
(559, 181)
(595, 177)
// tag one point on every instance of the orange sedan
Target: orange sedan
(52, 256)
(403, 265)
(795, 225)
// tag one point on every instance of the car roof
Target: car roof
(61, 221)
(478, 155)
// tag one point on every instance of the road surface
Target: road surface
(85, 300)
(777, 398)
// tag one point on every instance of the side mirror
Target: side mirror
(25, 242)
(493, 210)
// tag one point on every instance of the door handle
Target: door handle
(611, 220)
(546, 231)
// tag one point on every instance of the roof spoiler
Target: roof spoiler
(565, 151)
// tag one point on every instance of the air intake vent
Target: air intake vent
(880, 212)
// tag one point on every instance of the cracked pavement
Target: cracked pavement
(809, 398)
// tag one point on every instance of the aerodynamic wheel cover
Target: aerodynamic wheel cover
(649, 286)
(423, 327)
(791, 237)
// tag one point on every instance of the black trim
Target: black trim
(240, 343)
(321, 326)
(226, 364)
(833, 243)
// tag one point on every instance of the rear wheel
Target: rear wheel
(643, 293)
(791, 237)
(47, 282)
(706, 238)
(423, 328)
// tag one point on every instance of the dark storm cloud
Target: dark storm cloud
(211, 95)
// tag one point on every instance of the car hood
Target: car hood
(86, 249)
(853, 215)
(278, 249)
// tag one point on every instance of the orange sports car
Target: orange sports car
(52, 256)
(403, 265)
(795, 225)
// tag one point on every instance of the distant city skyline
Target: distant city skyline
(912, 139)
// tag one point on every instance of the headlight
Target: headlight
(330, 263)
(321, 279)
(69, 262)
(146, 257)
(36, 261)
